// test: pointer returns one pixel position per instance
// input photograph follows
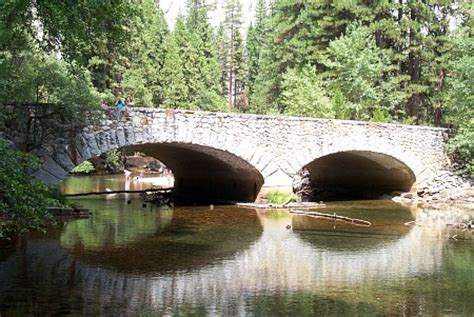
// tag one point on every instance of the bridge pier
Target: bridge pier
(231, 156)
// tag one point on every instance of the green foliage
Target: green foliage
(255, 40)
(359, 70)
(341, 111)
(409, 120)
(388, 55)
(460, 109)
(233, 68)
(191, 69)
(380, 115)
(34, 77)
(146, 54)
(175, 89)
(210, 100)
(93, 34)
(277, 214)
(303, 94)
(85, 167)
(23, 200)
(277, 197)
(463, 145)
(113, 157)
(460, 81)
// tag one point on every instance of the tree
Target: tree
(208, 92)
(40, 97)
(361, 72)
(175, 88)
(461, 86)
(142, 80)
(460, 110)
(462, 145)
(303, 94)
(33, 77)
(93, 34)
(293, 41)
(233, 50)
(23, 200)
(254, 43)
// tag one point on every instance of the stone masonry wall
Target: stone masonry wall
(276, 146)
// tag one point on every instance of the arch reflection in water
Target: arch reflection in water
(166, 240)
(276, 261)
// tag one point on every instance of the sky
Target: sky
(172, 8)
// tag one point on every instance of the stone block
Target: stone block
(129, 134)
(46, 177)
(82, 149)
(61, 156)
(54, 169)
(120, 137)
(92, 143)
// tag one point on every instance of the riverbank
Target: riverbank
(158, 181)
(452, 195)
(135, 164)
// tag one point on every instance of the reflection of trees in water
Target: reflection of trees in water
(113, 228)
(191, 238)
(278, 263)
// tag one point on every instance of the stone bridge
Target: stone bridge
(229, 156)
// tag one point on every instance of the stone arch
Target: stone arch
(206, 174)
(233, 172)
(375, 166)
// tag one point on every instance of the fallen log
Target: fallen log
(314, 214)
(74, 212)
(164, 191)
(289, 205)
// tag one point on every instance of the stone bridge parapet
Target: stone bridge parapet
(256, 149)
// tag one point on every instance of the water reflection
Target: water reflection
(114, 224)
(165, 240)
(230, 261)
(84, 184)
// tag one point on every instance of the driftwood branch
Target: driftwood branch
(288, 200)
(314, 214)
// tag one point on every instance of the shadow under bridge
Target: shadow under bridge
(206, 175)
(358, 175)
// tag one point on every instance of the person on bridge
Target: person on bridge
(107, 110)
(120, 109)
(129, 101)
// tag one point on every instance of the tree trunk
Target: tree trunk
(414, 70)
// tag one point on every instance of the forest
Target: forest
(405, 61)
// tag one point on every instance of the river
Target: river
(134, 259)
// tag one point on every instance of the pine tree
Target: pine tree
(233, 50)
(175, 90)
(254, 43)
(192, 52)
(360, 71)
(205, 84)
(303, 94)
(222, 56)
(146, 55)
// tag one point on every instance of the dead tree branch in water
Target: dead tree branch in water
(314, 214)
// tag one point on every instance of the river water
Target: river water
(131, 259)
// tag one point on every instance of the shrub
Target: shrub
(23, 199)
(462, 145)
(277, 197)
(85, 167)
